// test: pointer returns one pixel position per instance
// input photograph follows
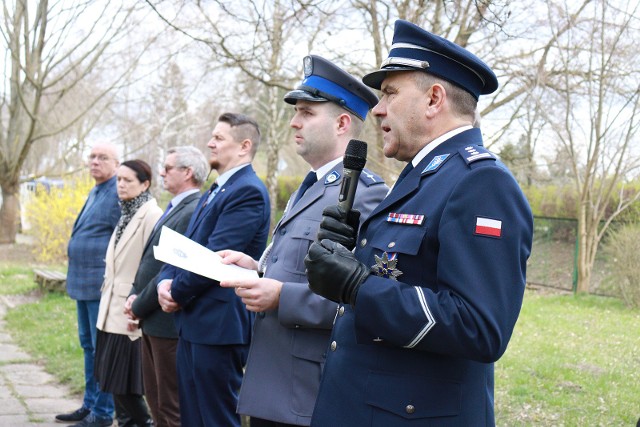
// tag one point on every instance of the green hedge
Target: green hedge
(561, 201)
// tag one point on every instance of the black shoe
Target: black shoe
(74, 416)
(93, 421)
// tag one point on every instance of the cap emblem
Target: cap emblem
(307, 66)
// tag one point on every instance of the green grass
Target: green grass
(16, 279)
(572, 361)
(47, 329)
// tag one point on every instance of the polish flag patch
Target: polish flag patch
(488, 227)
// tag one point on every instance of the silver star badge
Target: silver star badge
(385, 267)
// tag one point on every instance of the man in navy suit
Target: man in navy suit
(185, 170)
(433, 291)
(87, 249)
(213, 325)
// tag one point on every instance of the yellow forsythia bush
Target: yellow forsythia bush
(51, 215)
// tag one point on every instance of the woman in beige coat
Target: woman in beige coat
(117, 361)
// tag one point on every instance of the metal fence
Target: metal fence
(553, 258)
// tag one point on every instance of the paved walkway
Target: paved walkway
(28, 395)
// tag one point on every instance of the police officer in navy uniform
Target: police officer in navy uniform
(429, 299)
(292, 328)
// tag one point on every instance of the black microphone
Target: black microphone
(355, 156)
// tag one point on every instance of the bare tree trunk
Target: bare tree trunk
(583, 267)
(42, 81)
(592, 79)
(9, 213)
(273, 150)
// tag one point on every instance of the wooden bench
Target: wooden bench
(49, 280)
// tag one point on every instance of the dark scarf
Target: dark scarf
(129, 209)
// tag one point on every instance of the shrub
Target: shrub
(552, 201)
(560, 201)
(286, 186)
(623, 249)
(52, 214)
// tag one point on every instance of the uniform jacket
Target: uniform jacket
(289, 344)
(154, 321)
(237, 218)
(89, 240)
(420, 350)
(122, 264)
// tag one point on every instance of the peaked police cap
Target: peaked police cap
(414, 49)
(325, 81)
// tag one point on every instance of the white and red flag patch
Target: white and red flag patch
(488, 227)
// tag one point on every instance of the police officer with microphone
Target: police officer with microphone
(429, 299)
(292, 326)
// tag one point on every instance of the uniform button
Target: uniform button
(274, 258)
(341, 310)
(334, 345)
(283, 231)
(363, 242)
(410, 409)
(261, 314)
(392, 244)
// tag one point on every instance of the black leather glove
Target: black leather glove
(340, 226)
(334, 272)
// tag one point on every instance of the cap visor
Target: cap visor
(295, 95)
(375, 79)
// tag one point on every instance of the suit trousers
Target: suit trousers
(161, 379)
(209, 378)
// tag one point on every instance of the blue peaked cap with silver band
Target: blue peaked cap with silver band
(414, 49)
(324, 81)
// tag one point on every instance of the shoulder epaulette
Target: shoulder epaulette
(474, 153)
(369, 178)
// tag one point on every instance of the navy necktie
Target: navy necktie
(309, 180)
(404, 173)
(206, 199)
(209, 194)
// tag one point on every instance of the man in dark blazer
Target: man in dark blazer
(185, 170)
(292, 328)
(213, 325)
(432, 293)
(86, 250)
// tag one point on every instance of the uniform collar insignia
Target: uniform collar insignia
(331, 178)
(385, 266)
(435, 163)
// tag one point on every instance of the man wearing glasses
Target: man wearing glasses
(185, 170)
(87, 248)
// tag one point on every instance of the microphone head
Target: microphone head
(355, 156)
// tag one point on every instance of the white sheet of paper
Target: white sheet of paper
(180, 251)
